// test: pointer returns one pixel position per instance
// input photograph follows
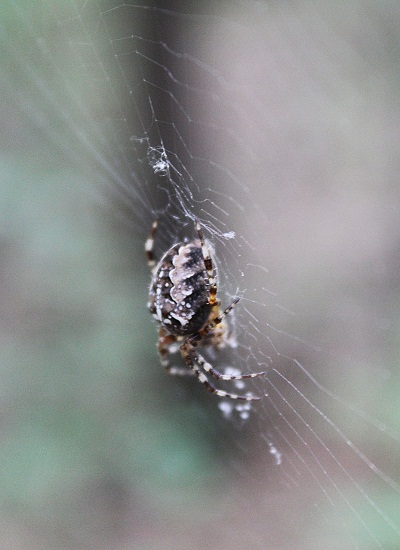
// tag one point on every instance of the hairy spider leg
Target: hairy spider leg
(199, 359)
(149, 245)
(166, 343)
(187, 353)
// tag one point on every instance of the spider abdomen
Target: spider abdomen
(180, 289)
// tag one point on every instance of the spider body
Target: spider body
(179, 291)
(183, 300)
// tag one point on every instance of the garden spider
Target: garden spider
(183, 300)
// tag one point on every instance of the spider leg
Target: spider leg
(149, 245)
(198, 358)
(221, 316)
(216, 374)
(212, 299)
(167, 344)
(217, 321)
(191, 357)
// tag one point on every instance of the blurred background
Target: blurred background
(98, 448)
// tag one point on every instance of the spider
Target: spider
(183, 300)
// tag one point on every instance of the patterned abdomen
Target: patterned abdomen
(180, 289)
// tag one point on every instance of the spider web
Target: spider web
(274, 124)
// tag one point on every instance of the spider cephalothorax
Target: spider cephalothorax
(183, 299)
